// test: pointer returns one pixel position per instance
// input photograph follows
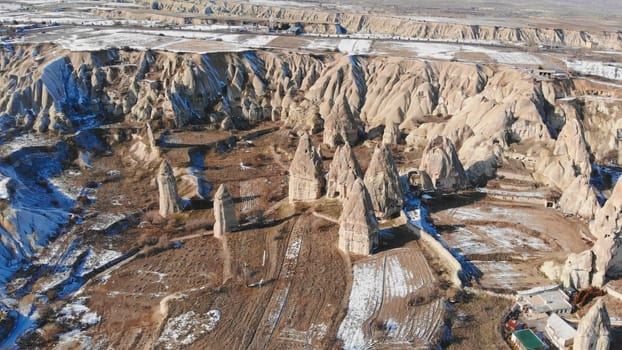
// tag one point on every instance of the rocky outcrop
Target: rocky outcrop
(343, 171)
(571, 143)
(305, 172)
(440, 161)
(340, 126)
(143, 148)
(577, 270)
(358, 229)
(391, 135)
(224, 212)
(594, 329)
(383, 183)
(579, 198)
(608, 219)
(170, 202)
(608, 264)
(570, 155)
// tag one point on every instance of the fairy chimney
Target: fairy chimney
(358, 229)
(167, 188)
(344, 170)
(305, 172)
(224, 212)
(383, 183)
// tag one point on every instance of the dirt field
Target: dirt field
(507, 241)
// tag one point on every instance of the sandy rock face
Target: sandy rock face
(305, 172)
(344, 170)
(224, 212)
(608, 219)
(608, 252)
(579, 199)
(440, 161)
(577, 271)
(358, 229)
(593, 332)
(383, 183)
(167, 188)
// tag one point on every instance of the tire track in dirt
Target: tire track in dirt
(278, 299)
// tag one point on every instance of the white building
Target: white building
(559, 332)
(544, 300)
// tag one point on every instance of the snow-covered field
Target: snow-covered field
(448, 51)
(379, 309)
(602, 69)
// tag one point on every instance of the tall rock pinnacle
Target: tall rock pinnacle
(167, 188)
(358, 229)
(224, 212)
(383, 183)
(344, 170)
(305, 172)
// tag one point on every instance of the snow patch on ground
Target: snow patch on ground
(354, 46)
(365, 297)
(79, 314)
(97, 259)
(188, 327)
(106, 221)
(293, 249)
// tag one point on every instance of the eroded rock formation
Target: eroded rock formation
(170, 202)
(340, 126)
(594, 330)
(608, 264)
(305, 172)
(358, 228)
(383, 183)
(144, 147)
(440, 161)
(343, 171)
(577, 271)
(579, 198)
(392, 134)
(224, 212)
(608, 219)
